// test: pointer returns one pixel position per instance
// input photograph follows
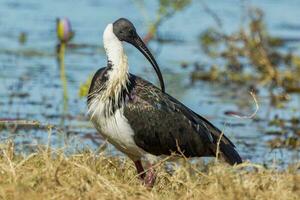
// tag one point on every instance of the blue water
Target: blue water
(31, 87)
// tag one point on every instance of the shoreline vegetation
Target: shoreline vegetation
(50, 174)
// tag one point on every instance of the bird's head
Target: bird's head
(125, 31)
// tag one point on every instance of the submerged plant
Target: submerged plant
(286, 133)
(251, 54)
(22, 38)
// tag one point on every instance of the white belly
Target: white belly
(117, 131)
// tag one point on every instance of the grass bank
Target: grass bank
(50, 174)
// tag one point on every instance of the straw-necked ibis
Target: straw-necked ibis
(142, 120)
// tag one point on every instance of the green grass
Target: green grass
(50, 174)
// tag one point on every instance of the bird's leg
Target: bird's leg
(139, 168)
(150, 177)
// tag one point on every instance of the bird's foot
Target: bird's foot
(148, 177)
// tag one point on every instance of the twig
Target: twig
(49, 139)
(247, 164)
(186, 160)
(218, 146)
(13, 171)
(21, 124)
(210, 12)
(56, 173)
(26, 159)
(251, 115)
(16, 124)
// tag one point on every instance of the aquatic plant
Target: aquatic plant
(84, 87)
(250, 55)
(64, 30)
(64, 34)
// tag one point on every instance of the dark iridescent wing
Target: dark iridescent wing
(162, 124)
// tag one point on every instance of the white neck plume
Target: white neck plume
(118, 75)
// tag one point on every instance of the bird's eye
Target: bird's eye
(121, 32)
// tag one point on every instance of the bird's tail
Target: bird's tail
(221, 145)
(224, 148)
(229, 154)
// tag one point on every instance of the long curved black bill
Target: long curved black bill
(140, 45)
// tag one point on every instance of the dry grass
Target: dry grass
(49, 174)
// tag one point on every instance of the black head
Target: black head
(125, 31)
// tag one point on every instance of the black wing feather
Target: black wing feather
(163, 125)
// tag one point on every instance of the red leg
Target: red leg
(150, 177)
(139, 168)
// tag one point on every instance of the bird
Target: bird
(142, 120)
